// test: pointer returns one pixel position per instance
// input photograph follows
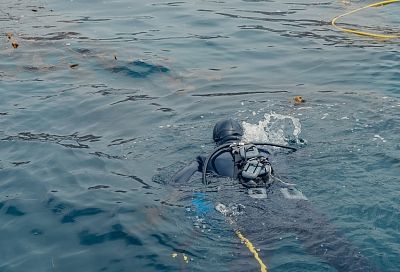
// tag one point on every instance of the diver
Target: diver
(247, 162)
(284, 208)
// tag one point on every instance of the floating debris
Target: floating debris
(184, 257)
(96, 187)
(9, 35)
(14, 44)
(298, 100)
(72, 66)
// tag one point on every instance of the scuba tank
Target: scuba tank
(252, 169)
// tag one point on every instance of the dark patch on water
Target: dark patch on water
(237, 93)
(20, 163)
(113, 91)
(135, 178)
(269, 13)
(84, 51)
(12, 210)
(84, 19)
(139, 69)
(310, 4)
(55, 36)
(117, 233)
(205, 37)
(97, 187)
(74, 214)
(121, 141)
(166, 203)
(108, 156)
(40, 68)
(171, 4)
(57, 208)
(167, 241)
(45, 27)
(165, 109)
(139, 97)
(71, 141)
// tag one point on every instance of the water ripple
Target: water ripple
(71, 141)
(117, 232)
(103, 101)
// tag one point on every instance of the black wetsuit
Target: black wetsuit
(223, 165)
(281, 213)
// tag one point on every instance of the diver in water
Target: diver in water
(247, 162)
(284, 208)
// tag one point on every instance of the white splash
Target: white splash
(377, 136)
(275, 128)
(231, 209)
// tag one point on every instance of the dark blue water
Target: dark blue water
(102, 101)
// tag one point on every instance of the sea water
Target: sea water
(102, 101)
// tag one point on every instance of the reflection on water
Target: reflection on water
(102, 101)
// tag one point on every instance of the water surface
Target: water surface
(103, 100)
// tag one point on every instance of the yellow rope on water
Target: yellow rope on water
(252, 250)
(364, 33)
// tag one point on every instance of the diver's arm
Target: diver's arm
(323, 240)
(184, 175)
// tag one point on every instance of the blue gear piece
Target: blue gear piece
(201, 204)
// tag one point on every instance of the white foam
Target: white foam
(231, 209)
(377, 136)
(275, 128)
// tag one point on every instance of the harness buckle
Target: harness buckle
(248, 151)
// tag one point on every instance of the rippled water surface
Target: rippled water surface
(102, 101)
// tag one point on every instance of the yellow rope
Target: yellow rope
(252, 250)
(364, 33)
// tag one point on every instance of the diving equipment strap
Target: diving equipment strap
(249, 152)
